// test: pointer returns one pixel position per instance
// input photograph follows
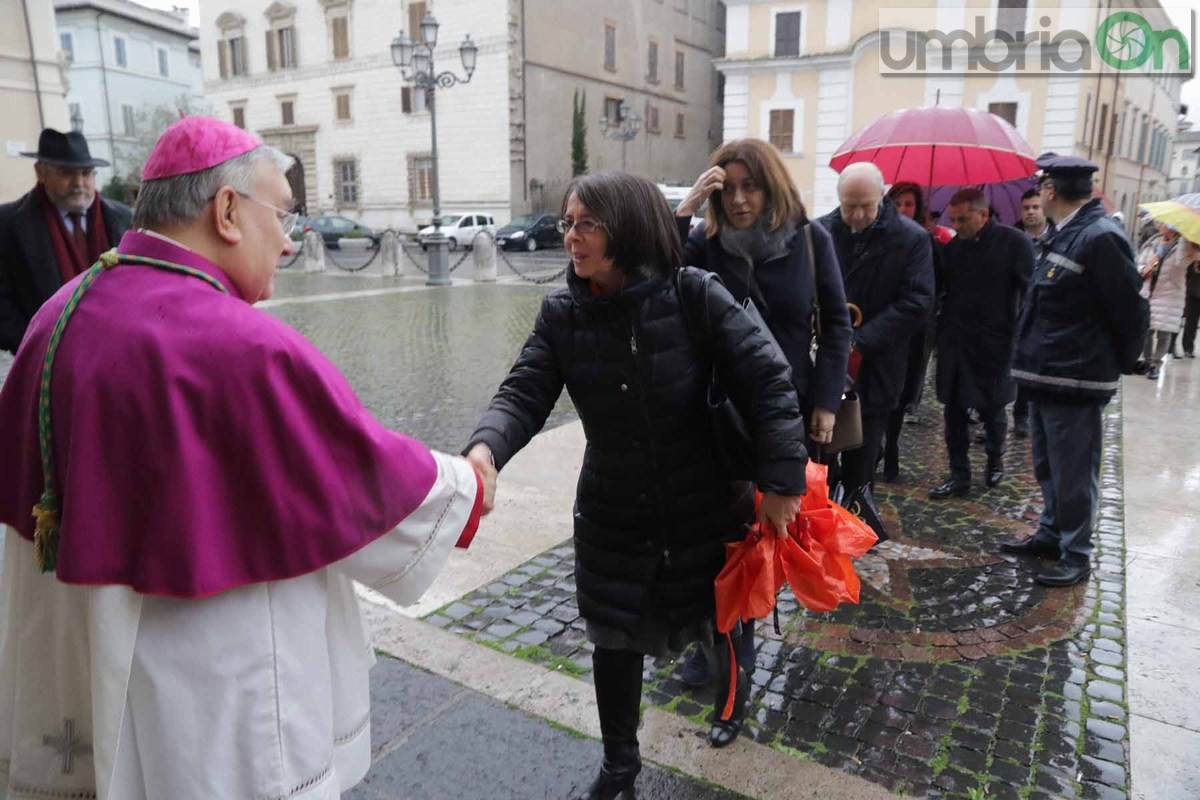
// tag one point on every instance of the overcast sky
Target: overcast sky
(1177, 8)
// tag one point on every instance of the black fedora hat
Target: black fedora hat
(68, 149)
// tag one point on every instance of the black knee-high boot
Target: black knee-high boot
(731, 690)
(618, 677)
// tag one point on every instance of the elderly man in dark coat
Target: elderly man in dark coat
(986, 270)
(54, 232)
(887, 266)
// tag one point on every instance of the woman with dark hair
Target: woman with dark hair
(910, 201)
(757, 237)
(654, 508)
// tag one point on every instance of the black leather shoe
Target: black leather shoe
(694, 671)
(1189, 355)
(723, 732)
(1020, 428)
(1067, 572)
(951, 488)
(995, 474)
(1152, 374)
(1031, 546)
(620, 769)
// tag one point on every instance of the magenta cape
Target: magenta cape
(200, 444)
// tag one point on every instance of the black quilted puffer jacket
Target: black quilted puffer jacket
(652, 511)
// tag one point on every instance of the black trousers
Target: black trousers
(958, 437)
(1021, 406)
(1191, 316)
(858, 465)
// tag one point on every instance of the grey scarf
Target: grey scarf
(756, 244)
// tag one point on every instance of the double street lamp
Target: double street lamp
(623, 129)
(415, 60)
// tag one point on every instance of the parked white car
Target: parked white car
(675, 196)
(460, 229)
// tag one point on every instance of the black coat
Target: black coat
(1084, 320)
(652, 510)
(784, 296)
(888, 274)
(984, 281)
(28, 267)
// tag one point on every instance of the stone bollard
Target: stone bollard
(389, 254)
(314, 252)
(483, 253)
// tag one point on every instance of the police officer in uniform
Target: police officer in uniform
(1081, 328)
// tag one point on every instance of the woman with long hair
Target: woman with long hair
(757, 237)
(654, 507)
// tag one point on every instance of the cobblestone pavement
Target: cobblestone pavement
(956, 676)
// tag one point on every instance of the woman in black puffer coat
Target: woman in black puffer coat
(653, 511)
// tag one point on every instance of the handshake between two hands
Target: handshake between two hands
(480, 457)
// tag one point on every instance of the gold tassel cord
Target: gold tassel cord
(45, 534)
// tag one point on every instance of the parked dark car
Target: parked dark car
(529, 232)
(333, 228)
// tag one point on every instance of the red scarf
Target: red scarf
(71, 261)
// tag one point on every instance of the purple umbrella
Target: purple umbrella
(1005, 198)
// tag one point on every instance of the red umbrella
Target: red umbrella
(937, 146)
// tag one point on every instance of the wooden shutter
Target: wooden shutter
(343, 107)
(341, 38)
(223, 58)
(416, 13)
(782, 123)
(272, 62)
(787, 34)
(406, 100)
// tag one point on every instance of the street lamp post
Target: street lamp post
(622, 129)
(415, 60)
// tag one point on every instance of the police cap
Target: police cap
(1052, 165)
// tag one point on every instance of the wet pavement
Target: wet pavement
(426, 733)
(956, 676)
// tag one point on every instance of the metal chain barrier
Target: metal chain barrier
(525, 276)
(329, 257)
(409, 256)
(299, 255)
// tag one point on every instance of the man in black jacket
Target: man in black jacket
(54, 232)
(986, 269)
(887, 267)
(1081, 328)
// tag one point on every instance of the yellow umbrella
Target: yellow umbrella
(1182, 218)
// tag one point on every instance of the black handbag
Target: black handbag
(731, 436)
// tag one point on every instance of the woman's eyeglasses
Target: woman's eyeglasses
(584, 226)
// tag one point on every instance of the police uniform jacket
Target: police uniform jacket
(1084, 322)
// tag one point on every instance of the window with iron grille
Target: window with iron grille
(652, 124)
(612, 110)
(783, 122)
(610, 47)
(345, 177)
(679, 123)
(652, 62)
(420, 179)
(787, 34)
(235, 55)
(239, 116)
(678, 69)
(287, 112)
